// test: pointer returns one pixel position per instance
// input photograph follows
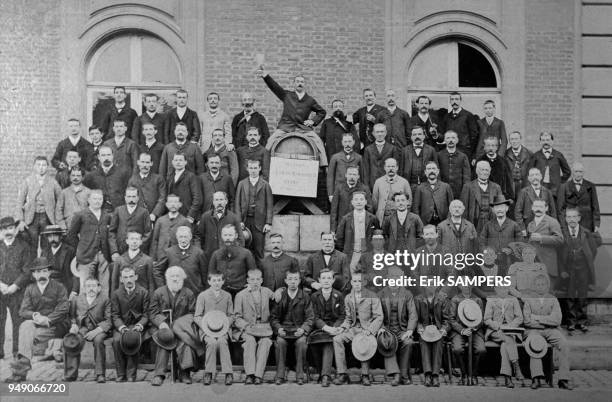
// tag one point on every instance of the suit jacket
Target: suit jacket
(383, 191)
(345, 235)
(131, 309)
(210, 227)
(368, 310)
(191, 120)
(192, 261)
(558, 167)
(193, 155)
(318, 305)
(298, 311)
(229, 162)
(465, 125)
(60, 266)
(338, 264)
(263, 202)
(398, 126)
(428, 153)
(258, 152)
(158, 121)
(406, 309)
(332, 132)
(585, 201)
(496, 129)
(164, 234)
(15, 263)
(245, 313)
(233, 262)
(125, 155)
(89, 235)
(338, 164)
(391, 230)
(456, 323)
(151, 192)
(181, 304)
(365, 126)
(123, 222)
(522, 210)
(542, 312)
(52, 303)
(50, 195)
(143, 267)
(464, 240)
(189, 191)
(493, 235)
(112, 184)
(501, 173)
(441, 311)
(275, 270)
(470, 196)
(454, 170)
(590, 241)
(373, 162)
(427, 199)
(207, 302)
(432, 122)
(90, 317)
(552, 238)
(83, 148)
(506, 311)
(72, 201)
(240, 124)
(210, 186)
(519, 164)
(341, 201)
(126, 114)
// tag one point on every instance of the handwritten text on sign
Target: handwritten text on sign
(294, 177)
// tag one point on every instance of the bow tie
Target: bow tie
(484, 183)
(324, 253)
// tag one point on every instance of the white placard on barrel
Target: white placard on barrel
(294, 177)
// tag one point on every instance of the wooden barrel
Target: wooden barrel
(295, 146)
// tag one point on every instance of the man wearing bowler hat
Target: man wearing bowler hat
(44, 310)
(500, 231)
(364, 315)
(214, 311)
(90, 315)
(129, 313)
(400, 320)
(60, 256)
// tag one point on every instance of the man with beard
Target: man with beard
(73, 142)
(254, 206)
(396, 120)
(15, 256)
(135, 258)
(523, 212)
(120, 110)
(130, 217)
(365, 117)
(402, 227)
(276, 264)
(464, 124)
(152, 146)
(458, 234)
(518, 157)
(150, 116)
(454, 165)
(188, 257)
(249, 117)
(125, 151)
(432, 198)
(491, 126)
(172, 307)
(478, 195)
(63, 175)
(335, 127)
(193, 156)
(340, 162)
(423, 118)
(251, 152)
(581, 194)
(343, 193)
(327, 258)
(129, 312)
(384, 188)
(416, 156)
(216, 180)
(375, 155)
(151, 187)
(232, 260)
(544, 233)
(228, 160)
(186, 186)
(182, 114)
(74, 198)
(501, 231)
(297, 107)
(44, 311)
(214, 119)
(213, 220)
(88, 233)
(552, 164)
(109, 178)
(90, 315)
(60, 255)
(164, 233)
(500, 170)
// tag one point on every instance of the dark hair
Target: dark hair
(292, 271)
(571, 209)
(455, 93)
(215, 273)
(180, 154)
(423, 97)
(181, 91)
(119, 87)
(93, 127)
(41, 158)
(249, 161)
(547, 132)
(211, 94)
(399, 193)
(230, 225)
(325, 233)
(120, 120)
(150, 95)
(146, 154)
(276, 235)
(368, 89)
(489, 101)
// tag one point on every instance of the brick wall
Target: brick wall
(550, 102)
(29, 86)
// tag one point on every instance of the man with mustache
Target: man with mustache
(215, 180)
(518, 157)
(340, 162)
(151, 187)
(386, 186)
(74, 197)
(213, 220)
(464, 124)
(458, 234)
(233, 260)
(334, 127)
(327, 258)
(251, 152)
(581, 194)
(432, 197)
(553, 165)
(396, 120)
(375, 155)
(134, 257)
(125, 150)
(523, 212)
(44, 311)
(120, 110)
(500, 170)
(454, 165)
(186, 185)
(248, 117)
(109, 178)
(276, 264)
(15, 256)
(478, 195)
(415, 156)
(95, 136)
(365, 118)
(193, 155)
(402, 227)
(130, 217)
(491, 126)
(215, 119)
(343, 193)
(500, 231)
(73, 142)
(164, 232)
(545, 234)
(228, 160)
(150, 116)
(182, 114)
(60, 255)
(63, 175)
(429, 123)
(151, 145)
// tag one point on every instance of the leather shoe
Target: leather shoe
(342, 379)
(229, 379)
(428, 380)
(582, 327)
(300, 381)
(248, 380)
(535, 383)
(258, 381)
(185, 378)
(100, 379)
(463, 380)
(325, 381)
(517, 371)
(564, 384)
(207, 379)
(435, 382)
(508, 382)
(121, 378)
(396, 380)
(278, 381)
(406, 380)
(157, 381)
(365, 380)
(69, 379)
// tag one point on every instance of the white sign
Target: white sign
(294, 177)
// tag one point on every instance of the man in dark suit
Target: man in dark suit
(333, 129)
(60, 255)
(164, 232)
(433, 137)
(500, 169)
(129, 311)
(193, 156)
(253, 151)
(553, 165)
(254, 207)
(228, 164)
(464, 124)
(130, 217)
(150, 116)
(327, 258)
(343, 194)
(214, 180)
(182, 114)
(454, 165)
(478, 195)
(248, 117)
(186, 185)
(401, 228)
(396, 120)
(73, 142)
(276, 264)
(415, 156)
(518, 157)
(151, 187)
(581, 194)
(523, 213)
(365, 117)
(151, 145)
(90, 316)
(213, 220)
(491, 126)
(340, 162)
(120, 110)
(135, 258)
(375, 155)
(432, 197)
(456, 233)
(112, 180)
(500, 231)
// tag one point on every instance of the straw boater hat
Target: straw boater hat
(165, 338)
(73, 344)
(431, 334)
(387, 343)
(130, 342)
(500, 199)
(53, 229)
(259, 330)
(535, 345)
(378, 234)
(364, 346)
(215, 324)
(469, 313)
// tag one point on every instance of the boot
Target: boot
(396, 380)
(517, 371)
(508, 381)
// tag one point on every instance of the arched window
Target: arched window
(141, 63)
(455, 65)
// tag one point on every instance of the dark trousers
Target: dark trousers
(460, 342)
(126, 365)
(403, 356)
(577, 294)
(12, 303)
(281, 355)
(323, 357)
(71, 365)
(431, 356)
(161, 361)
(258, 242)
(41, 220)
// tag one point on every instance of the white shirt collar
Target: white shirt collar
(74, 141)
(131, 209)
(151, 114)
(9, 243)
(42, 287)
(253, 181)
(119, 142)
(149, 144)
(54, 250)
(133, 253)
